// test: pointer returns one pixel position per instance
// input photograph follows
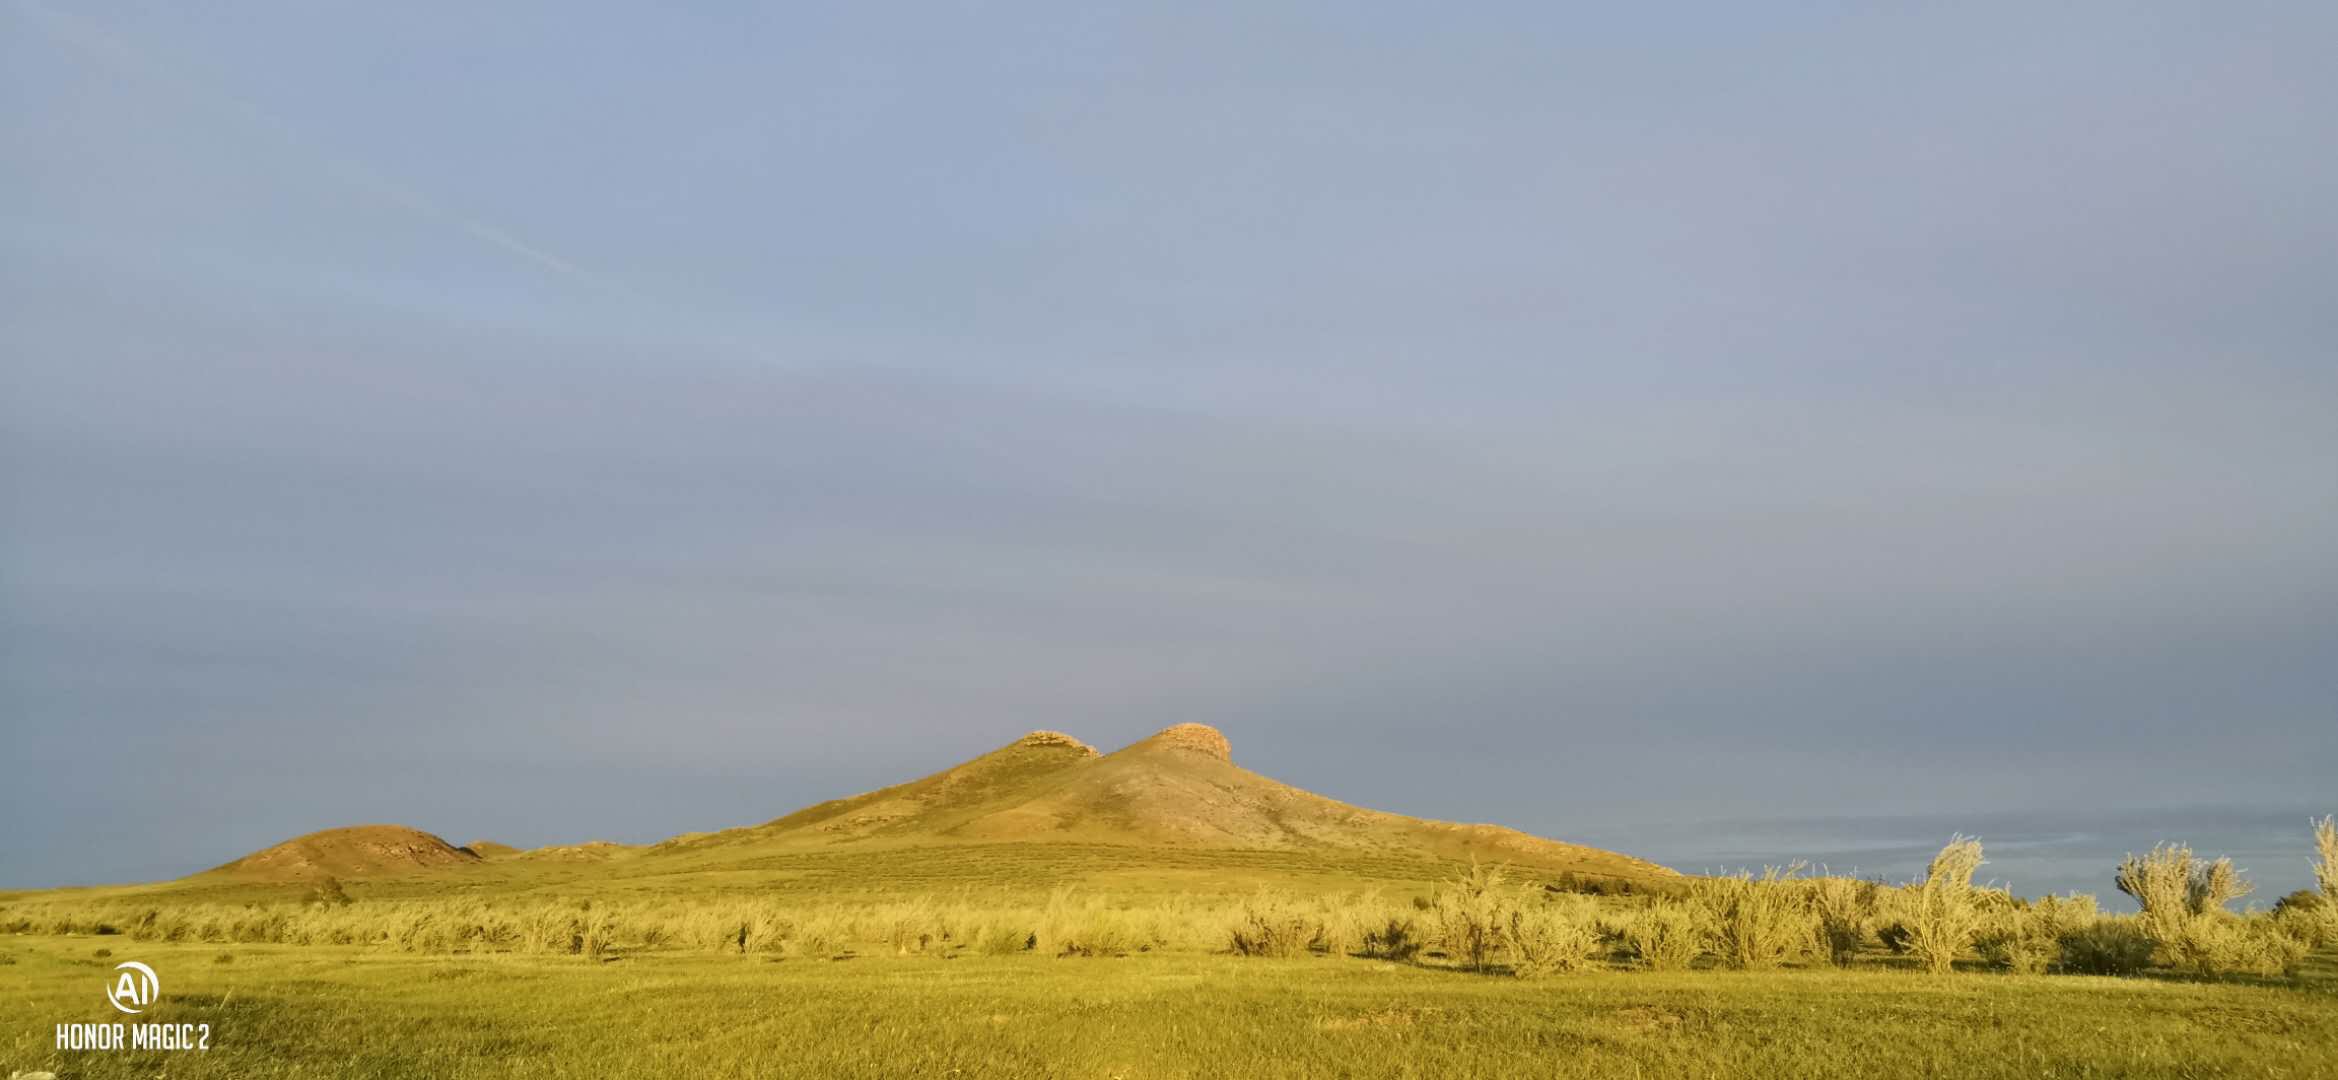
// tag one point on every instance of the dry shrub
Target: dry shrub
(1272, 924)
(596, 931)
(1396, 938)
(548, 928)
(1469, 915)
(1344, 924)
(2184, 900)
(909, 927)
(1940, 916)
(2307, 917)
(1751, 923)
(1003, 939)
(2025, 936)
(2326, 879)
(1665, 936)
(2110, 945)
(820, 934)
(1076, 925)
(1549, 938)
(1846, 910)
(2264, 945)
(2326, 857)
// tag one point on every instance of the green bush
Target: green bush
(2025, 936)
(1396, 939)
(2109, 945)
(2264, 945)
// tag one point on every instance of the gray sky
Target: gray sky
(541, 424)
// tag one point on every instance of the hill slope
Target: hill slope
(938, 803)
(358, 851)
(1178, 789)
(1172, 811)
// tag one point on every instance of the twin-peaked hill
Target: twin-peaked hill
(1177, 789)
(1177, 795)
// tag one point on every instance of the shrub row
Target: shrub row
(1481, 920)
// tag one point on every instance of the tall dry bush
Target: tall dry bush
(1665, 936)
(1078, 924)
(1271, 923)
(1469, 914)
(2326, 857)
(2324, 931)
(820, 933)
(1544, 935)
(911, 926)
(1345, 924)
(2185, 908)
(1846, 910)
(1752, 923)
(1940, 917)
(548, 928)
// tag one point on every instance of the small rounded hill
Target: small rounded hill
(353, 851)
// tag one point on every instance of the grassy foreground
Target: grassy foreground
(330, 1011)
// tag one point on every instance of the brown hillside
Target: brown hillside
(356, 851)
(1178, 788)
(489, 849)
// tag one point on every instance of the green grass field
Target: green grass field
(282, 1011)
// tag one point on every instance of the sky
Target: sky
(550, 422)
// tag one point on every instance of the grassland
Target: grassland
(1023, 870)
(281, 1011)
(526, 983)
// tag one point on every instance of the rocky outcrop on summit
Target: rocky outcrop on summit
(1195, 738)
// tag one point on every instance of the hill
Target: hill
(1179, 789)
(359, 851)
(1172, 812)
